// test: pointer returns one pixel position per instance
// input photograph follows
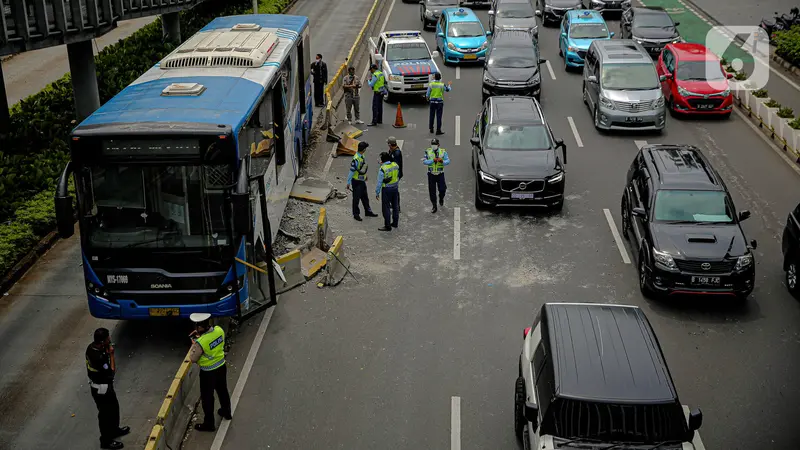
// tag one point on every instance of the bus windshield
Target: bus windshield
(179, 206)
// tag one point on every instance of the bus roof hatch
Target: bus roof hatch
(238, 47)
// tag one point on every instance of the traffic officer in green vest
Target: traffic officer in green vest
(435, 96)
(389, 185)
(436, 158)
(208, 351)
(357, 182)
(378, 85)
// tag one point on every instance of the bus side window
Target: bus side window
(278, 95)
(258, 136)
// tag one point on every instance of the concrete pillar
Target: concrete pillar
(171, 27)
(255, 6)
(84, 78)
(4, 115)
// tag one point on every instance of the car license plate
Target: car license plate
(705, 106)
(522, 196)
(633, 119)
(165, 312)
(417, 86)
(707, 281)
(470, 56)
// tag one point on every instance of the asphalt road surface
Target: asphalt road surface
(45, 324)
(439, 307)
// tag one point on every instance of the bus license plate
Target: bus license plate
(417, 86)
(707, 281)
(522, 196)
(470, 56)
(165, 312)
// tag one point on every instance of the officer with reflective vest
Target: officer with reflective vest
(357, 182)
(435, 95)
(378, 85)
(436, 158)
(389, 186)
(208, 351)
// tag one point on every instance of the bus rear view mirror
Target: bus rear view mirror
(242, 217)
(65, 213)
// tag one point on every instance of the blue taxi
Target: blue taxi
(579, 28)
(460, 36)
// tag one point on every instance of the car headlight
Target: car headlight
(557, 178)
(664, 259)
(489, 80)
(638, 41)
(606, 103)
(743, 262)
(726, 92)
(572, 49)
(677, 40)
(626, 2)
(535, 79)
(684, 93)
(485, 45)
(428, 13)
(487, 178)
(548, 8)
(451, 46)
(395, 78)
(659, 103)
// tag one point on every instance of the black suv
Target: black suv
(512, 65)
(517, 160)
(687, 236)
(651, 27)
(594, 376)
(791, 251)
(552, 11)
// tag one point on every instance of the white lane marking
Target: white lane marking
(458, 130)
(640, 144)
(458, 73)
(455, 423)
(575, 131)
(456, 233)
(550, 69)
(237, 391)
(617, 237)
(329, 161)
(768, 141)
(383, 27)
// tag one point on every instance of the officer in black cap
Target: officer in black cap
(357, 182)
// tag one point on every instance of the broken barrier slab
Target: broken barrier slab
(321, 239)
(312, 262)
(347, 146)
(292, 267)
(312, 190)
(345, 129)
(337, 264)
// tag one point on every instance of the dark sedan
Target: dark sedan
(516, 159)
(552, 11)
(512, 66)
(652, 27)
(431, 10)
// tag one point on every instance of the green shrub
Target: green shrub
(786, 113)
(36, 150)
(740, 76)
(771, 103)
(795, 123)
(787, 45)
(761, 93)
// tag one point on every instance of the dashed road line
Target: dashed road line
(575, 131)
(458, 73)
(458, 131)
(617, 237)
(455, 423)
(550, 69)
(456, 233)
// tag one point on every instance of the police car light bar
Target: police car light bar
(404, 34)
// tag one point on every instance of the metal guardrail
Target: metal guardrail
(356, 58)
(33, 24)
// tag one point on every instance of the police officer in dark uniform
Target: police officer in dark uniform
(101, 367)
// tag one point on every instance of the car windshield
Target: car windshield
(407, 51)
(692, 206)
(650, 20)
(629, 77)
(515, 58)
(518, 137)
(465, 29)
(700, 71)
(588, 31)
(515, 11)
(154, 206)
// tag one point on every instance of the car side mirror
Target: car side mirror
(491, 12)
(378, 57)
(441, 35)
(560, 144)
(677, 23)
(532, 413)
(592, 79)
(435, 54)
(743, 215)
(754, 244)
(422, 3)
(538, 13)
(611, 34)
(65, 212)
(475, 141)
(488, 33)
(665, 77)
(639, 212)
(695, 420)
(542, 60)
(729, 75)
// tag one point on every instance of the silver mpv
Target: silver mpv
(621, 87)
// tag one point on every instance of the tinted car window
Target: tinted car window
(465, 29)
(700, 71)
(518, 137)
(693, 206)
(514, 57)
(515, 11)
(650, 20)
(629, 77)
(442, 2)
(589, 31)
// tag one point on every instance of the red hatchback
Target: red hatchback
(693, 80)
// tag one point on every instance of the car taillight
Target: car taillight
(525, 332)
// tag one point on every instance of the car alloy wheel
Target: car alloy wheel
(585, 95)
(644, 282)
(519, 407)
(596, 118)
(626, 219)
(526, 439)
(791, 277)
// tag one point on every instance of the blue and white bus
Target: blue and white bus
(179, 176)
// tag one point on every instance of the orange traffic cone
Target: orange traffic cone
(398, 119)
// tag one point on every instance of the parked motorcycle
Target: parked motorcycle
(780, 22)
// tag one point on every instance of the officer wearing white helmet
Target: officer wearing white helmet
(208, 351)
